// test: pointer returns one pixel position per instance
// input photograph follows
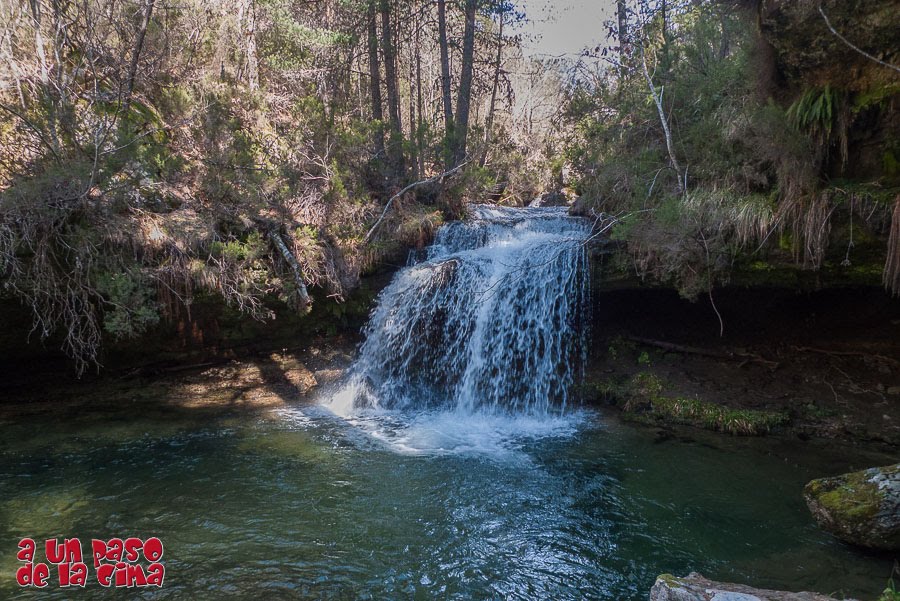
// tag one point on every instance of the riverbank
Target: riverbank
(811, 365)
(253, 383)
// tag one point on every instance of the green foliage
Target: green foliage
(753, 168)
(286, 44)
(251, 248)
(891, 164)
(176, 100)
(824, 115)
(336, 190)
(816, 110)
(890, 593)
(877, 96)
(131, 306)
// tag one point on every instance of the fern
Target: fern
(815, 111)
(823, 114)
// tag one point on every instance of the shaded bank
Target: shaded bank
(825, 360)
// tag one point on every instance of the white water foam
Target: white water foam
(477, 347)
(437, 433)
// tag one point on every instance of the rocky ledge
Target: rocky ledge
(695, 587)
(861, 508)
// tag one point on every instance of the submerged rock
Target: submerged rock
(695, 587)
(862, 508)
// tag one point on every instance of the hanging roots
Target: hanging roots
(809, 221)
(891, 277)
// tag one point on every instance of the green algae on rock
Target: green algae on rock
(862, 508)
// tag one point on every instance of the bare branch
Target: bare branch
(430, 180)
(657, 100)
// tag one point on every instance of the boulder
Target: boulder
(861, 508)
(442, 274)
(557, 198)
(581, 207)
(695, 587)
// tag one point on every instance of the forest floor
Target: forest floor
(815, 365)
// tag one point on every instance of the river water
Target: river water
(453, 462)
(305, 504)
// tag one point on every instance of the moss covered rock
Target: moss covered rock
(862, 508)
(695, 587)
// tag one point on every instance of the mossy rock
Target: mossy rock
(695, 587)
(861, 508)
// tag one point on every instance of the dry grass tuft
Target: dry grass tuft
(891, 276)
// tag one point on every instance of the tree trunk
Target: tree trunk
(666, 46)
(891, 275)
(445, 84)
(411, 79)
(291, 260)
(9, 59)
(395, 141)
(375, 83)
(725, 43)
(489, 124)
(665, 22)
(247, 23)
(420, 125)
(52, 129)
(623, 35)
(136, 53)
(464, 98)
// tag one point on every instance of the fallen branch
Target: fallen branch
(693, 350)
(302, 291)
(882, 358)
(430, 180)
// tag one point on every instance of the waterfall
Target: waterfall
(491, 318)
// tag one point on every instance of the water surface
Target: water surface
(304, 504)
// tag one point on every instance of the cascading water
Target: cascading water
(491, 321)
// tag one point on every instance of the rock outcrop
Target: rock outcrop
(803, 54)
(695, 587)
(862, 508)
(808, 52)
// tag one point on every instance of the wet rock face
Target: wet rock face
(695, 587)
(862, 508)
(806, 50)
(443, 274)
